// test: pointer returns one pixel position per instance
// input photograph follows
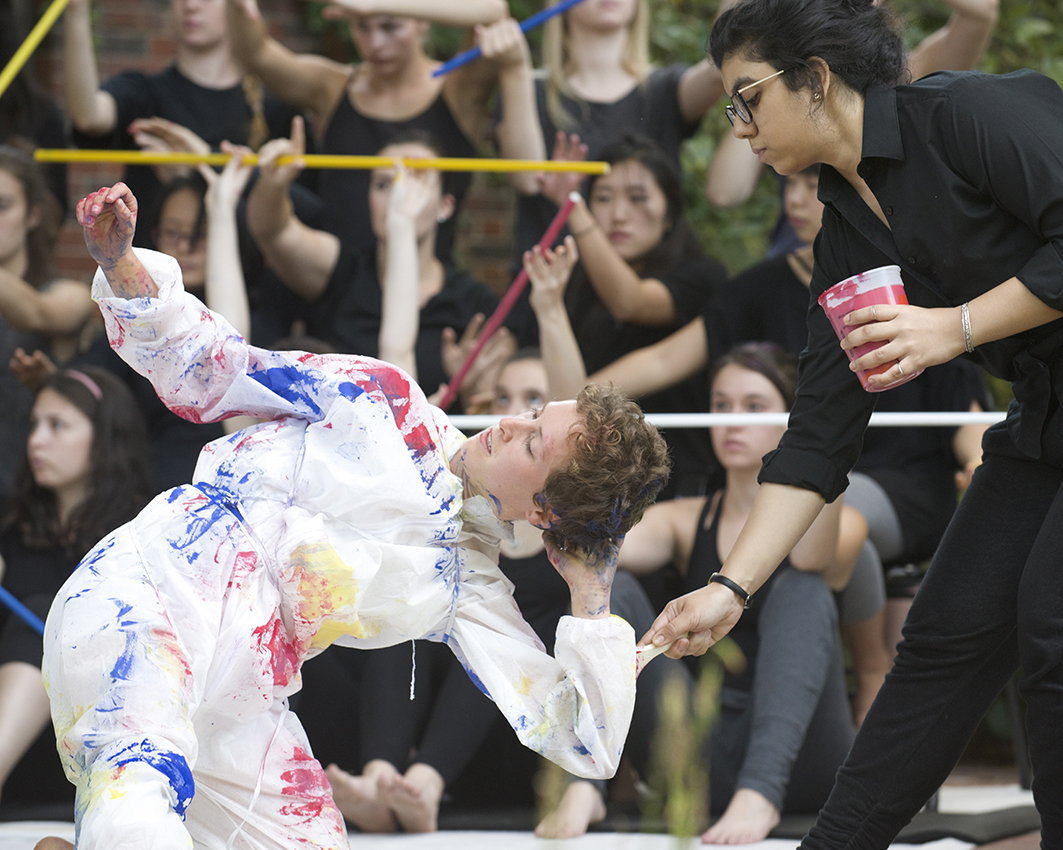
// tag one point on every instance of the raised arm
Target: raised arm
(302, 257)
(732, 174)
(549, 272)
(62, 308)
(455, 13)
(656, 367)
(961, 43)
(628, 297)
(400, 309)
(310, 83)
(505, 66)
(91, 109)
(700, 88)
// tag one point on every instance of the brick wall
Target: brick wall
(135, 34)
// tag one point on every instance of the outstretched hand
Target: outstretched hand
(694, 622)
(109, 219)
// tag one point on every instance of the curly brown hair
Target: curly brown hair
(618, 465)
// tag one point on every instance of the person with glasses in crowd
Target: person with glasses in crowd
(957, 180)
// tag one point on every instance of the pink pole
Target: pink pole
(507, 302)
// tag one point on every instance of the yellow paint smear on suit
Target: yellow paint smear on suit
(326, 588)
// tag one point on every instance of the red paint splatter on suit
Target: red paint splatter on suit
(272, 640)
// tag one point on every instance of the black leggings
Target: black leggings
(992, 599)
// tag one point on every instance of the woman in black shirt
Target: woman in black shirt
(956, 179)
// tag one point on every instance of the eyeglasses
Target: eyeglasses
(738, 105)
(171, 237)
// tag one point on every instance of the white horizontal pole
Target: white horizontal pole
(707, 420)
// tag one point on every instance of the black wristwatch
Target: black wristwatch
(735, 587)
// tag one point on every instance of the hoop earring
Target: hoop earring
(816, 96)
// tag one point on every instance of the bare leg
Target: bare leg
(749, 818)
(358, 797)
(24, 712)
(580, 806)
(414, 797)
(871, 660)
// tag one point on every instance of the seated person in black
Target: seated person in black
(346, 289)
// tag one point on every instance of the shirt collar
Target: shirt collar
(882, 126)
(881, 139)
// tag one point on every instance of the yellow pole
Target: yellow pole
(320, 161)
(25, 50)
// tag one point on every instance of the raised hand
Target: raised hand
(109, 219)
(558, 186)
(224, 189)
(549, 272)
(273, 175)
(411, 193)
(158, 134)
(31, 369)
(503, 43)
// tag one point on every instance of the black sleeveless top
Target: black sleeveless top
(704, 561)
(345, 192)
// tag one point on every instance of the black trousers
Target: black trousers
(992, 600)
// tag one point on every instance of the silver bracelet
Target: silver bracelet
(965, 317)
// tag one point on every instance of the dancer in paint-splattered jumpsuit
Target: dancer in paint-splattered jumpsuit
(357, 514)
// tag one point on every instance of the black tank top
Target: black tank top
(704, 561)
(345, 193)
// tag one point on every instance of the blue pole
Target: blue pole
(527, 24)
(32, 620)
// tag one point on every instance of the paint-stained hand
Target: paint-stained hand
(589, 576)
(109, 219)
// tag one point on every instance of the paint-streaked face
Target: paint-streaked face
(510, 462)
(60, 443)
(739, 390)
(521, 386)
(630, 207)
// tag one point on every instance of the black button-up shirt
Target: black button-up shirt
(968, 168)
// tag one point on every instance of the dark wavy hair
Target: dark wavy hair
(858, 40)
(119, 485)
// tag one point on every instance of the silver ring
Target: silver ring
(874, 313)
(899, 369)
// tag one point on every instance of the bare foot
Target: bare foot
(414, 797)
(580, 806)
(51, 843)
(749, 818)
(357, 797)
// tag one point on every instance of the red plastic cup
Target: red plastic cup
(876, 286)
